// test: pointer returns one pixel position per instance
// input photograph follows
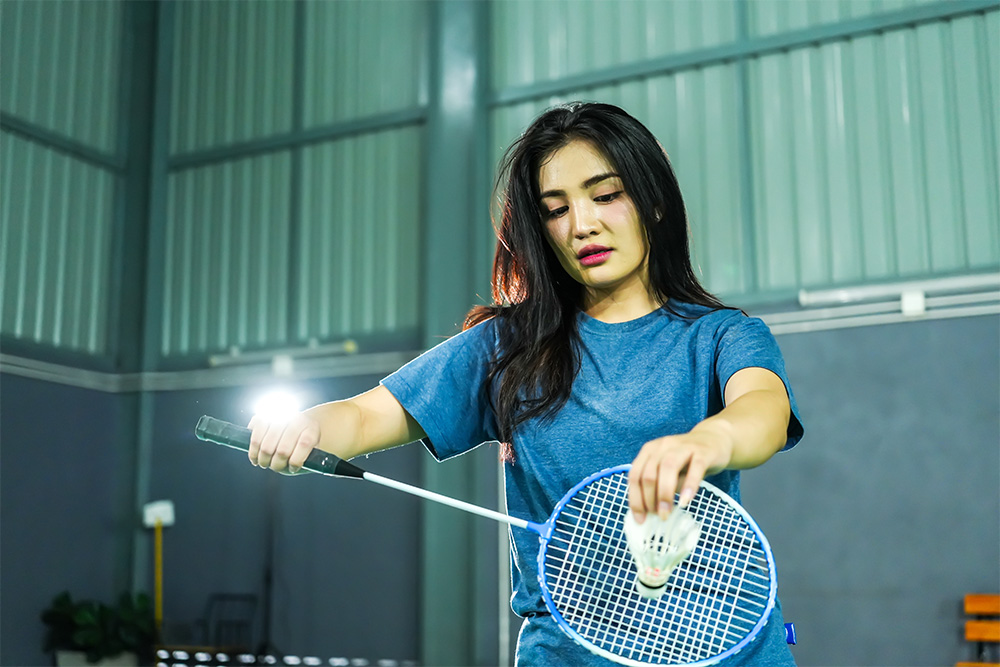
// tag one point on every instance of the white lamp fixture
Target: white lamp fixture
(844, 295)
(282, 361)
(865, 305)
(278, 404)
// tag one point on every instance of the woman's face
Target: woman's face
(591, 223)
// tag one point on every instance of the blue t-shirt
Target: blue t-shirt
(657, 375)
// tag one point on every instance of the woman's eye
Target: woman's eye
(604, 199)
(556, 212)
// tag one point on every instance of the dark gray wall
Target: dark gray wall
(346, 554)
(345, 569)
(888, 512)
(63, 505)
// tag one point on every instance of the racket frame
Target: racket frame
(621, 659)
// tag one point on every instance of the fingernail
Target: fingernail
(686, 496)
(664, 509)
(639, 517)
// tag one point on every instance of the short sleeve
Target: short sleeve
(746, 342)
(444, 390)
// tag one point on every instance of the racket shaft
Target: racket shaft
(451, 502)
(221, 432)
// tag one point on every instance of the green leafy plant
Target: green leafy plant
(100, 630)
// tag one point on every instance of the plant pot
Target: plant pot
(79, 659)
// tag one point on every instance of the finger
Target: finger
(649, 480)
(269, 443)
(279, 460)
(692, 481)
(666, 487)
(257, 430)
(307, 441)
(286, 444)
(635, 502)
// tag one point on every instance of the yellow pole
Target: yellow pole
(159, 577)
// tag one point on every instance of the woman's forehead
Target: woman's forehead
(571, 165)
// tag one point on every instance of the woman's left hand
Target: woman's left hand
(747, 432)
(675, 464)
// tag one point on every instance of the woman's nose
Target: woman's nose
(583, 222)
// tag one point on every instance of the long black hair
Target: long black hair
(535, 301)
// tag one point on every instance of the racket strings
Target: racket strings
(713, 599)
(727, 554)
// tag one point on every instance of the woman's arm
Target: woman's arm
(747, 432)
(367, 423)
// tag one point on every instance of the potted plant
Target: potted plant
(88, 632)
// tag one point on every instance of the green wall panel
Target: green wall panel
(768, 17)
(232, 73)
(226, 256)
(55, 248)
(875, 159)
(316, 240)
(363, 58)
(59, 67)
(542, 41)
(360, 240)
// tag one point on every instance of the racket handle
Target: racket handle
(222, 432)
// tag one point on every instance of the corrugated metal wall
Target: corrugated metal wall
(768, 17)
(868, 158)
(360, 249)
(226, 269)
(55, 247)
(539, 41)
(235, 273)
(876, 158)
(59, 78)
(363, 59)
(59, 67)
(232, 72)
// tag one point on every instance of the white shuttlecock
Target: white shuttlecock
(658, 546)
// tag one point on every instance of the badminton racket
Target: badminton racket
(715, 602)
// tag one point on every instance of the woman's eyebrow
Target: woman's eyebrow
(589, 183)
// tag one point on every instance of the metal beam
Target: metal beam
(296, 185)
(152, 314)
(452, 619)
(61, 144)
(298, 138)
(361, 365)
(128, 278)
(747, 203)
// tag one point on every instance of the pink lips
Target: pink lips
(593, 255)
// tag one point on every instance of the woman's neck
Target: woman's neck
(620, 305)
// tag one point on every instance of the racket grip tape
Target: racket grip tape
(225, 433)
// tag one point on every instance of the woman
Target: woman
(601, 348)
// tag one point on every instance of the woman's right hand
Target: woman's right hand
(367, 423)
(282, 444)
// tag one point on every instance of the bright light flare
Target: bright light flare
(278, 405)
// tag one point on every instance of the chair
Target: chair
(983, 628)
(229, 621)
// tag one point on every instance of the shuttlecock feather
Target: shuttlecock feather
(658, 546)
